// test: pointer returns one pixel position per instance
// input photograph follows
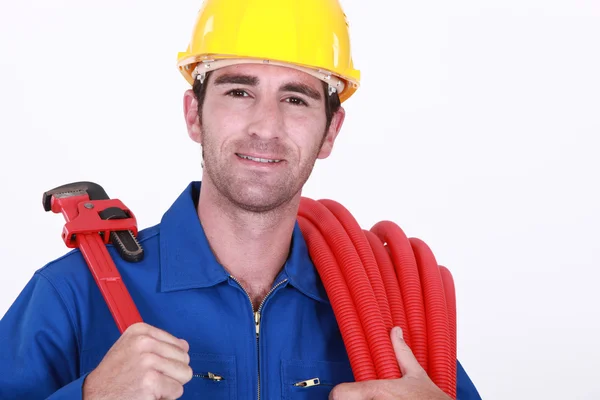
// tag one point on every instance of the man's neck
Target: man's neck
(252, 247)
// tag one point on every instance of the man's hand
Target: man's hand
(146, 363)
(414, 384)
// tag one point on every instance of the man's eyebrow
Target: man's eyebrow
(236, 79)
(301, 88)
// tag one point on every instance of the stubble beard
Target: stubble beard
(251, 192)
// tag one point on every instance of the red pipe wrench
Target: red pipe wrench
(94, 220)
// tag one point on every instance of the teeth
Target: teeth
(262, 160)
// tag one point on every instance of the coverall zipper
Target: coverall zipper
(209, 375)
(257, 321)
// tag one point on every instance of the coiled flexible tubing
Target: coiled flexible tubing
(408, 278)
(450, 292)
(438, 330)
(399, 282)
(380, 347)
(390, 282)
(363, 248)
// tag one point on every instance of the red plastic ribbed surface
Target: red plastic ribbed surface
(378, 279)
(365, 252)
(410, 285)
(438, 331)
(390, 281)
(450, 292)
(360, 288)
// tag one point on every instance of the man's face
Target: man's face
(262, 129)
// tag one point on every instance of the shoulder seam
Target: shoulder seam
(157, 231)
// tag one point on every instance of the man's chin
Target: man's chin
(261, 199)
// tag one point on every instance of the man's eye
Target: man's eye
(296, 101)
(237, 93)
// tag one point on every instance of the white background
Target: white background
(475, 129)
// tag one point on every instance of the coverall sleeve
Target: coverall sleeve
(465, 389)
(39, 351)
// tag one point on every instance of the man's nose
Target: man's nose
(267, 121)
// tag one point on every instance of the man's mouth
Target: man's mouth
(257, 159)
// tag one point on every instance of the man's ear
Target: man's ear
(334, 129)
(190, 113)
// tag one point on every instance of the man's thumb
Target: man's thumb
(406, 359)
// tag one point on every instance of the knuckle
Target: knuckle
(169, 390)
(179, 355)
(177, 391)
(174, 392)
(144, 342)
(185, 344)
(382, 391)
(137, 328)
(148, 360)
(150, 379)
(419, 373)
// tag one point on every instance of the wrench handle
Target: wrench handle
(108, 280)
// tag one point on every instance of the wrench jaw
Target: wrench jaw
(93, 190)
(127, 246)
(95, 215)
(124, 241)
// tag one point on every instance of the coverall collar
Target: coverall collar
(187, 261)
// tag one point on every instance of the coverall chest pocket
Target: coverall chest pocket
(312, 379)
(214, 377)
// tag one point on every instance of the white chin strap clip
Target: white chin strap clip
(335, 84)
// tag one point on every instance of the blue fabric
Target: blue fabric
(59, 327)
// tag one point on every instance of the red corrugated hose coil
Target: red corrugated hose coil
(377, 279)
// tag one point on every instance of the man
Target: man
(232, 304)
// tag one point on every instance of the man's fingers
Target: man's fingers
(168, 338)
(159, 334)
(167, 350)
(406, 359)
(176, 370)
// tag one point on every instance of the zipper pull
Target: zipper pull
(211, 376)
(257, 322)
(308, 383)
(214, 377)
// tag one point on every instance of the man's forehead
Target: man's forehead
(266, 72)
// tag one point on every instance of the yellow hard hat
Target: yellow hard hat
(310, 35)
